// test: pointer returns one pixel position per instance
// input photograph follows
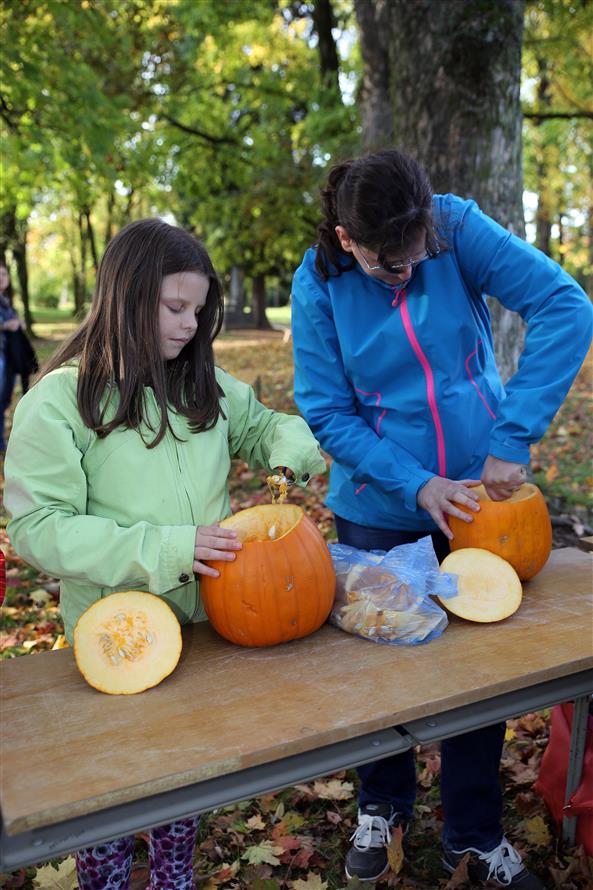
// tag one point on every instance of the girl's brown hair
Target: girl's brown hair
(383, 200)
(117, 346)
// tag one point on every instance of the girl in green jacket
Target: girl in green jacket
(116, 470)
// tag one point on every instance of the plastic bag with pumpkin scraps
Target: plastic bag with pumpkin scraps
(386, 597)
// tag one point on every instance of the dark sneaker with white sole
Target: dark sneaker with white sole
(367, 858)
(500, 867)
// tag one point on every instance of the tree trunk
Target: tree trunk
(258, 303)
(543, 219)
(234, 312)
(91, 238)
(323, 22)
(455, 69)
(19, 252)
(375, 97)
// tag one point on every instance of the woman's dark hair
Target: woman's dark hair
(383, 200)
(117, 346)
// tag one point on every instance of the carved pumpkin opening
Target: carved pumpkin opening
(266, 523)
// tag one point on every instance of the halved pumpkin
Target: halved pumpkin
(518, 529)
(282, 584)
(127, 642)
(488, 587)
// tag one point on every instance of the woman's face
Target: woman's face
(183, 295)
(4, 278)
(368, 258)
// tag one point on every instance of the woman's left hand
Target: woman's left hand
(501, 478)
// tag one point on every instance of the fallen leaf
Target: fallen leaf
(334, 790)
(267, 852)
(552, 472)
(256, 823)
(395, 853)
(61, 878)
(460, 875)
(313, 882)
(536, 832)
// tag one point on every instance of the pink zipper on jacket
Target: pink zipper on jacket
(430, 390)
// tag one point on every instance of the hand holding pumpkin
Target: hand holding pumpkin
(501, 478)
(439, 497)
(213, 542)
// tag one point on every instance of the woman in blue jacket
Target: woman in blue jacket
(396, 376)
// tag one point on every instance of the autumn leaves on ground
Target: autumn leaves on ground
(297, 839)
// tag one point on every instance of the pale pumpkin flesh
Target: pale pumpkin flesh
(127, 642)
(489, 588)
(280, 587)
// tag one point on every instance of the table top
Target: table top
(68, 750)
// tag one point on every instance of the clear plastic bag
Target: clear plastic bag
(386, 597)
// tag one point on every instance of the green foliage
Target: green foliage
(558, 80)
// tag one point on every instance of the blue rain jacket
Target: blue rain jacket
(399, 385)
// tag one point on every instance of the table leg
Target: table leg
(576, 757)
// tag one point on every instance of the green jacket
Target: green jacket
(110, 514)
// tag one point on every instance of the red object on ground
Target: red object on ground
(551, 783)
(2, 576)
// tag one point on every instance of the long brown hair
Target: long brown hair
(383, 200)
(117, 346)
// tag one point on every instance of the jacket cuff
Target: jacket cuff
(507, 450)
(178, 557)
(417, 480)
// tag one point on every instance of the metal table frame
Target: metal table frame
(45, 843)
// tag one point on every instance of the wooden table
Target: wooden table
(80, 767)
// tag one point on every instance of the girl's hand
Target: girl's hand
(502, 477)
(213, 542)
(439, 497)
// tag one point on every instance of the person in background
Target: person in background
(395, 374)
(9, 323)
(117, 466)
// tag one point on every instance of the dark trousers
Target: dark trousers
(470, 783)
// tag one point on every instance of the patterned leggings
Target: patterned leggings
(170, 851)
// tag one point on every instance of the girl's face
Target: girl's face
(4, 278)
(183, 295)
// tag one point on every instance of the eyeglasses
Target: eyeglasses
(396, 268)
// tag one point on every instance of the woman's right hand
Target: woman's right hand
(439, 497)
(12, 324)
(213, 542)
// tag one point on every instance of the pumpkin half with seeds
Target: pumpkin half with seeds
(127, 642)
(282, 584)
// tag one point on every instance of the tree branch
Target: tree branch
(192, 131)
(558, 115)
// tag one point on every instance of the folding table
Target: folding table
(80, 767)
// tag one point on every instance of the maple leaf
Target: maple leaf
(536, 832)
(334, 790)
(62, 878)
(313, 882)
(267, 852)
(256, 823)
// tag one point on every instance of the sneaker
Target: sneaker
(367, 858)
(501, 867)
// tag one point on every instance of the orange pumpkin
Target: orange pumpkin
(518, 529)
(282, 584)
